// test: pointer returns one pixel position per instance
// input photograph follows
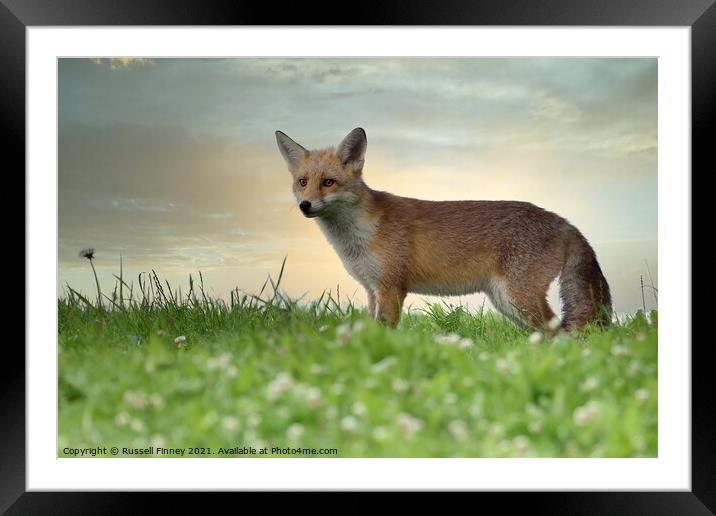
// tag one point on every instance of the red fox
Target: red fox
(394, 245)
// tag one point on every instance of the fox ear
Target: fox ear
(290, 150)
(352, 148)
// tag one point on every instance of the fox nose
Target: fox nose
(305, 206)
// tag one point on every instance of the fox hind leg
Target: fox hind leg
(525, 305)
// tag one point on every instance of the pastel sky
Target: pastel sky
(173, 164)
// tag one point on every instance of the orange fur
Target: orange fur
(394, 245)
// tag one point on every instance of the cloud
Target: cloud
(122, 63)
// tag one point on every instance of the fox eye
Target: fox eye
(303, 181)
(328, 182)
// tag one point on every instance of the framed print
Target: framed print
(422, 251)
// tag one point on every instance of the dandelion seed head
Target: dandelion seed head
(87, 253)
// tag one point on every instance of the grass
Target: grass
(267, 371)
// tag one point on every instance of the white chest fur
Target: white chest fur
(350, 234)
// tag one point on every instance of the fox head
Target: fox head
(324, 180)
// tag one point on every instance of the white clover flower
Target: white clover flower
(279, 386)
(383, 365)
(465, 343)
(137, 400)
(458, 430)
(586, 352)
(484, 356)
(158, 441)
(180, 341)
(343, 334)
(137, 425)
(586, 413)
(358, 326)
(122, 419)
(322, 328)
(450, 398)
(619, 350)
(554, 323)
(520, 445)
(590, 384)
(535, 338)
(475, 409)
(641, 336)
(221, 362)
(294, 432)
(156, 401)
(451, 339)
(642, 396)
(209, 419)
(359, 408)
(380, 433)
(253, 420)
(230, 423)
(349, 423)
(409, 425)
(400, 385)
(503, 366)
(338, 388)
(534, 426)
(633, 368)
(313, 397)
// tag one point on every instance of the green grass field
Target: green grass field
(265, 371)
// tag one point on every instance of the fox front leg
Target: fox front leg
(390, 302)
(371, 303)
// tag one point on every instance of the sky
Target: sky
(172, 164)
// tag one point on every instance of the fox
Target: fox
(393, 245)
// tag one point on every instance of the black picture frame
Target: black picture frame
(700, 15)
